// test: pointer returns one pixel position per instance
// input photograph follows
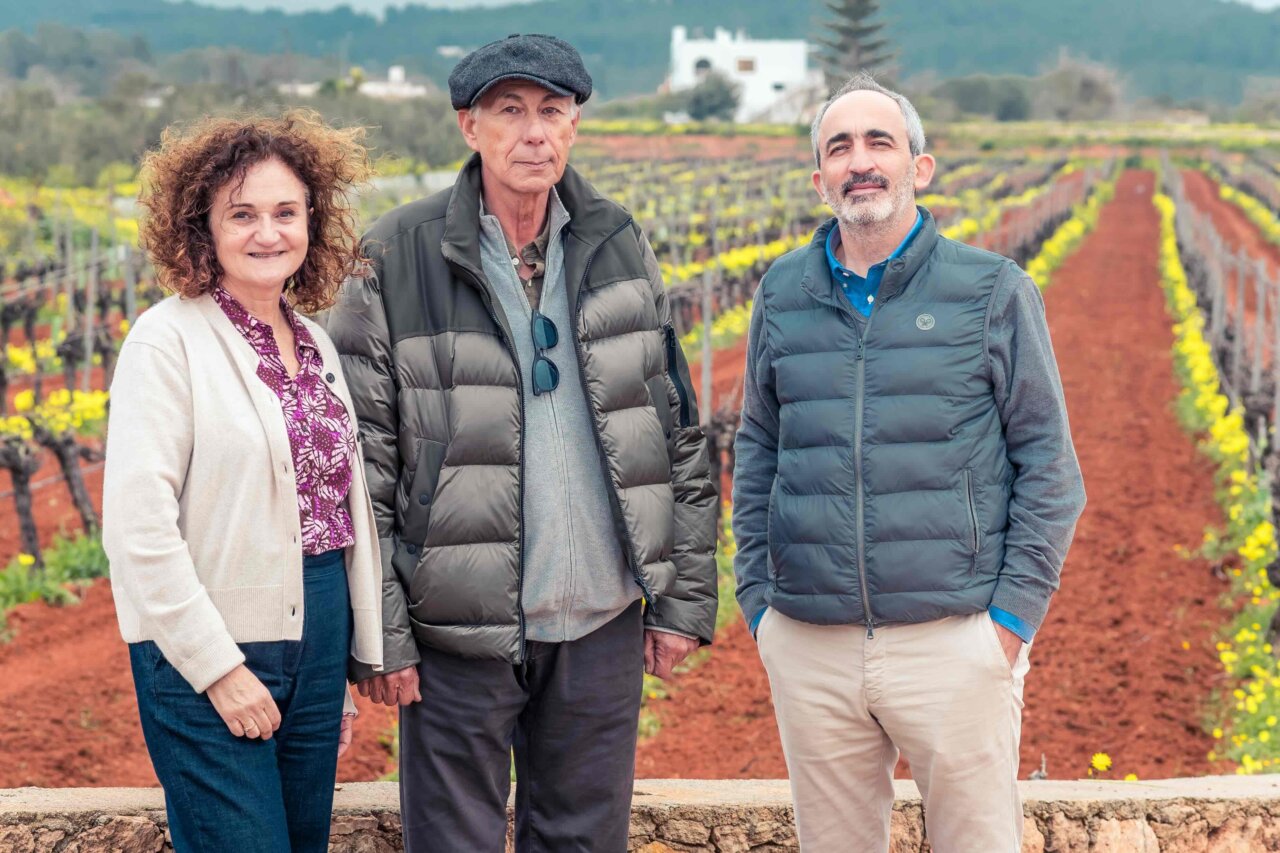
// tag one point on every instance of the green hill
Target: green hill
(1179, 48)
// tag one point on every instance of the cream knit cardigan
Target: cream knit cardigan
(200, 507)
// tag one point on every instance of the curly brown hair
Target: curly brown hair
(182, 176)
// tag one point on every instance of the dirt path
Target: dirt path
(1240, 235)
(68, 715)
(1232, 224)
(1109, 672)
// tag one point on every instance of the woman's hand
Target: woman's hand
(244, 704)
(344, 733)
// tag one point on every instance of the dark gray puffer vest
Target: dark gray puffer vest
(893, 485)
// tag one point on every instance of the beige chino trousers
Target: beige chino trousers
(942, 692)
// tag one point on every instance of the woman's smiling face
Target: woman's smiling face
(259, 227)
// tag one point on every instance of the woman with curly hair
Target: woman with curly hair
(243, 547)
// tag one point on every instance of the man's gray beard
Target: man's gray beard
(872, 215)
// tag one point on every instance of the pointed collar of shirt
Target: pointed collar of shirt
(861, 290)
(259, 334)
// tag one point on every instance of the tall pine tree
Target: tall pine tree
(852, 41)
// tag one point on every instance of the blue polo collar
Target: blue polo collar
(841, 273)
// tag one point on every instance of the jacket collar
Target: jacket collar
(592, 220)
(592, 217)
(817, 280)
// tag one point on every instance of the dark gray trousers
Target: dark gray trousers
(570, 712)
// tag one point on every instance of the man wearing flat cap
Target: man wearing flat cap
(542, 488)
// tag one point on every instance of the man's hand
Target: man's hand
(392, 688)
(1010, 642)
(344, 733)
(245, 704)
(662, 651)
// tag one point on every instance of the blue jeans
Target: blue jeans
(234, 794)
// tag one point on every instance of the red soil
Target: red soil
(1240, 235)
(726, 375)
(1232, 224)
(1109, 672)
(68, 715)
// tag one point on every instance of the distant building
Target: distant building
(298, 90)
(394, 88)
(772, 74)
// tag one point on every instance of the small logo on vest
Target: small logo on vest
(925, 322)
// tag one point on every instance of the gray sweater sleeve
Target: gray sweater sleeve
(755, 466)
(1048, 490)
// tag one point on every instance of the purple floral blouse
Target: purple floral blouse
(320, 435)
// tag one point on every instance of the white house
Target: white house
(394, 88)
(769, 71)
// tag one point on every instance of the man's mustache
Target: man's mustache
(865, 178)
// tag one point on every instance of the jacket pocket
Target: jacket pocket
(422, 491)
(771, 533)
(975, 530)
(673, 346)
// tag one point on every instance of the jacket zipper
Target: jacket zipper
(669, 333)
(515, 360)
(615, 503)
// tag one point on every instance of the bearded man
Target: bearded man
(904, 496)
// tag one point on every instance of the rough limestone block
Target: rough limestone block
(761, 833)
(1066, 835)
(1242, 834)
(1032, 837)
(125, 834)
(1179, 826)
(685, 832)
(906, 830)
(349, 824)
(1129, 835)
(366, 843)
(730, 839)
(642, 826)
(17, 838)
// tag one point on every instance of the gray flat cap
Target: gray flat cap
(545, 60)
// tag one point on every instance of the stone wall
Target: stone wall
(1228, 814)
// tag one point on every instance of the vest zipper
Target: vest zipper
(859, 395)
(614, 502)
(669, 332)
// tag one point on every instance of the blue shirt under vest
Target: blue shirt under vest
(861, 292)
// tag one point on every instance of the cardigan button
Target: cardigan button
(329, 377)
(411, 548)
(424, 498)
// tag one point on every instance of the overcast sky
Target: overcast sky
(377, 6)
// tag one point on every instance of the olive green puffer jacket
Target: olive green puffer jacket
(428, 357)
